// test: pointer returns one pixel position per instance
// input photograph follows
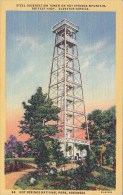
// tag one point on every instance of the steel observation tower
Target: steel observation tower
(65, 88)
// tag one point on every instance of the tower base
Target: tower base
(75, 149)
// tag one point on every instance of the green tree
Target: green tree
(14, 148)
(56, 154)
(102, 133)
(38, 119)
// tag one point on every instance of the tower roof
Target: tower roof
(63, 23)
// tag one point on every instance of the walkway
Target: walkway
(68, 166)
(11, 178)
(108, 168)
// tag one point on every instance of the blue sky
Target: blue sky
(29, 50)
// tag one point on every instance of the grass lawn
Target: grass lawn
(106, 178)
(74, 179)
(24, 160)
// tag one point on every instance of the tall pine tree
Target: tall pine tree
(39, 115)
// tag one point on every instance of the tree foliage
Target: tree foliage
(38, 122)
(102, 125)
(13, 147)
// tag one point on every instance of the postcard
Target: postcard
(61, 97)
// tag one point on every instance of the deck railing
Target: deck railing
(58, 25)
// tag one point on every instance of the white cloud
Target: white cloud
(32, 44)
(95, 47)
(27, 71)
(86, 61)
(27, 41)
(86, 64)
(101, 65)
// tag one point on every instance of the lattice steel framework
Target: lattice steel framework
(65, 86)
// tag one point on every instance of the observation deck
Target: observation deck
(59, 26)
(74, 140)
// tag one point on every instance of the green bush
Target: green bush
(24, 160)
(16, 164)
(23, 182)
(107, 178)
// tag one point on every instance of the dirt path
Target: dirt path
(68, 166)
(11, 178)
(108, 168)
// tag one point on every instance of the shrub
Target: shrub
(24, 160)
(15, 164)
